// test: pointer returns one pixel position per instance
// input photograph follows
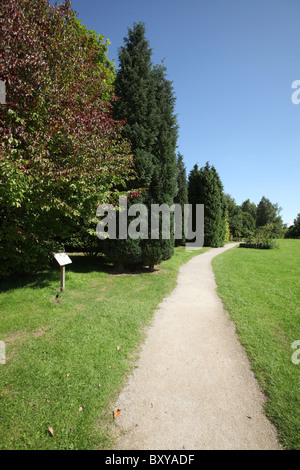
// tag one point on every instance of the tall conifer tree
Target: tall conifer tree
(163, 187)
(135, 103)
(146, 101)
(205, 187)
(135, 88)
(182, 194)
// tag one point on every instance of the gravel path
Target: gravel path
(193, 387)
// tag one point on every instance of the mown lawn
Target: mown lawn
(261, 291)
(67, 357)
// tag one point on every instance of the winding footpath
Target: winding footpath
(193, 387)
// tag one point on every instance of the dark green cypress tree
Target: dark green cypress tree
(163, 187)
(182, 194)
(193, 192)
(135, 88)
(205, 187)
(146, 102)
(135, 103)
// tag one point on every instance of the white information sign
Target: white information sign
(62, 259)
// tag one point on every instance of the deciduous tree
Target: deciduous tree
(62, 152)
(268, 213)
(294, 230)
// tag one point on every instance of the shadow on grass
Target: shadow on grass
(80, 264)
(85, 264)
(37, 280)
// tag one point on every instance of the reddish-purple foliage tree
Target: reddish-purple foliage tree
(61, 152)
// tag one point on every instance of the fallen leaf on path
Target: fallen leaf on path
(117, 413)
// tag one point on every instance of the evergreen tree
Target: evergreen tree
(135, 89)
(235, 216)
(163, 187)
(135, 104)
(205, 187)
(146, 101)
(182, 194)
(193, 192)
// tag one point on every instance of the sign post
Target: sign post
(62, 259)
(62, 278)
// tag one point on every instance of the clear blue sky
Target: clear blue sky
(232, 64)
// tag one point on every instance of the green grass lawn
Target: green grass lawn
(261, 291)
(67, 357)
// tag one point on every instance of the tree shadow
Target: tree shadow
(80, 264)
(85, 264)
(38, 280)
